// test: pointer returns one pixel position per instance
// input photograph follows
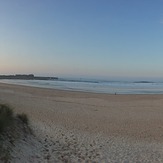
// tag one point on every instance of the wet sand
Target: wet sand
(85, 127)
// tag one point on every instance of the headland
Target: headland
(27, 77)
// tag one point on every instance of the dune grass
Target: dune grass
(24, 118)
(12, 126)
(6, 116)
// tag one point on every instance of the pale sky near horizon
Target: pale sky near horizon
(82, 38)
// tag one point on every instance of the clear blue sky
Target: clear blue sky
(87, 38)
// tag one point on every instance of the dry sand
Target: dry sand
(86, 127)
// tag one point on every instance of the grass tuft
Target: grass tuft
(6, 116)
(23, 117)
(12, 127)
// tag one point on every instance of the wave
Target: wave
(98, 86)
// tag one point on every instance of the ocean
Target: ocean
(96, 86)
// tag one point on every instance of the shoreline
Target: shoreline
(100, 88)
(130, 124)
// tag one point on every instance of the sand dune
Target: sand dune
(79, 127)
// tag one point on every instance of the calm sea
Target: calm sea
(110, 87)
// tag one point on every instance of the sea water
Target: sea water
(97, 86)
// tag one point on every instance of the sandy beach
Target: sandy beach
(86, 127)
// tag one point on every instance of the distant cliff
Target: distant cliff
(27, 77)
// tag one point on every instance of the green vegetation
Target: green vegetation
(12, 127)
(6, 116)
(23, 117)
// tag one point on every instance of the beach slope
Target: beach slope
(77, 126)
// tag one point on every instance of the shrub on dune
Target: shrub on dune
(6, 116)
(12, 127)
(23, 117)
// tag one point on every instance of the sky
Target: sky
(82, 38)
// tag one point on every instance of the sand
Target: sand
(85, 127)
